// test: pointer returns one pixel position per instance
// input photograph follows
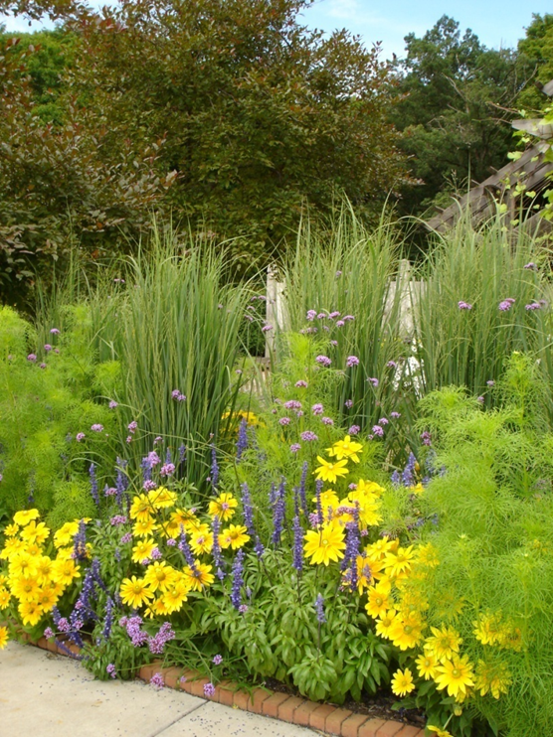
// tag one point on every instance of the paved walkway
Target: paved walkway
(46, 695)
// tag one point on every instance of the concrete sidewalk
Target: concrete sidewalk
(46, 695)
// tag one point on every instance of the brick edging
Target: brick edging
(293, 709)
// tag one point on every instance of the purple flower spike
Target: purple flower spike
(319, 608)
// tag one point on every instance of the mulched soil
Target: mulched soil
(377, 706)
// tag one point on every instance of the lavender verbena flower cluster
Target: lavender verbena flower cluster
(133, 627)
(354, 430)
(178, 396)
(506, 304)
(464, 305)
(157, 681)
(374, 381)
(426, 438)
(217, 659)
(323, 361)
(352, 361)
(156, 644)
(308, 436)
(110, 670)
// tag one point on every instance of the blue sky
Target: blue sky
(498, 23)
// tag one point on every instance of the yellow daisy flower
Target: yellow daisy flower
(35, 532)
(346, 448)
(223, 507)
(46, 599)
(11, 530)
(3, 637)
(160, 576)
(4, 598)
(325, 544)
(64, 536)
(399, 562)
(426, 665)
(234, 536)
(330, 472)
(494, 679)
(141, 507)
(444, 644)
(384, 623)
(44, 567)
(201, 541)
(175, 596)
(406, 631)
(402, 682)
(161, 498)
(144, 527)
(65, 571)
(142, 550)
(438, 731)
(135, 592)
(25, 516)
(488, 629)
(379, 600)
(157, 608)
(455, 675)
(30, 612)
(12, 547)
(25, 588)
(199, 577)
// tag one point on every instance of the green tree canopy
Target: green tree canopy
(537, 51)
(454, 110)
(225, 112)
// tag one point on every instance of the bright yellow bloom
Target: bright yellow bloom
(456, 675)
(488, 629)
(385, 623)
(160, 576)
(325, 544)
(4, 598)
(330, 472)
(201, 541)
(162, 498)
(175, 596)
(157, 608)
(398, 563)
(25, 588)
(55, 587)
(22, 565)
(33, 550)
(426, 665)
(170, 528)
(35, 532)
(141, 507)
(143, 550)
(402, 682)
(144, 527)
(370, 488)
(444, 644)
(223, 507)
(234, 536)
(3, 637)
(11, 530)
(364, 573)
(379, 549)
(187, 519)
(494, 679)
(379, 600)
(417, 490)
(30, 612)
(135, 592)
(46, 599)
(346, 448)
(439, 732)
(65, 571)
(198, 577)
(406, 631)
(329, 498)
(368, 509)
(13, 547)
(44, 568)
(64, 536)
(23, 517)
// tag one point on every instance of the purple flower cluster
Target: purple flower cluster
(319, 609)
(178, 396)
(301, 384)
(372, 380)
(214, 467)
(506, 305)
(168, 469)
(209, 690)
(31, 357)
(113, 404)
(295, 447)
(323, 361)
(352, 361)
(157, 681)
(395, 415)
(292, 404)
(308, 436)
(132, 426)
(157, 643)
(530, 265)
(533, 306)
(284, 421)
(133, 626)
(426, 438)
(354, 430)
(348, 403)
(237, 579)
(317, 409)
(97, 427)
(378, 431)
(80, 436)
(217, 659)
(408, 475)
(110, 670)
(464, 305)
(327, 420)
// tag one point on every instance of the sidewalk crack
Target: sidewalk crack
(178, 719)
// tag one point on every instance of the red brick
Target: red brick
(350, 728)
(409, 731)
(389, 729)
(146, 672)
(224, 693)
(371, 727)
(270, 706)
(171, 677)
(318, 717)
(303, 712)
(196, 688)
(257, 697)
(189, 676)
(287, 708)
(241, 699)
(334, 721)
